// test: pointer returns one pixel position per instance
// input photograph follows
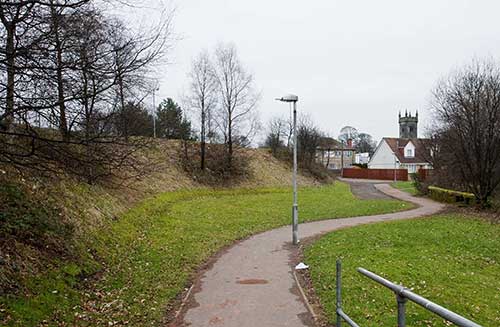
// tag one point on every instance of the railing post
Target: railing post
(339, 293)
(401, 310)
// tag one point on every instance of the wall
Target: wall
(383, 158)
(381, 174)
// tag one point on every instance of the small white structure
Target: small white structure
(362, 158)
(401, 153)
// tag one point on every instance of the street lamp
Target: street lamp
(295, 208)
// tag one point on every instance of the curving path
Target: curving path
(252, 283)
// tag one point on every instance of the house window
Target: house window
(409, 152)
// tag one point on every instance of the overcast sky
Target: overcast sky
(350, 62)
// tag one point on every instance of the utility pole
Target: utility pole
(342, 159)
(154, 110)
(295, 214)
(295, 207)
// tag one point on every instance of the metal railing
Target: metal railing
(402, 296)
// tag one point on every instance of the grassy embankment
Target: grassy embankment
(450, 259)
(148, 254)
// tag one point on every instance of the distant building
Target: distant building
(406, 152)
(362, 158)
(333, 154)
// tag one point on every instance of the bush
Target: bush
(318, 171)
(417, 183)
(217, 171)
(450, 196)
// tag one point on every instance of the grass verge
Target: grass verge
(451, 259)
(150, 253)
(407, 187)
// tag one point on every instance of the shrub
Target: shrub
(318, 171)
(419, 184)
(450, 196)
(217, 171)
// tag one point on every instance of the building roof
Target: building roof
(397, 146)
(329, 143)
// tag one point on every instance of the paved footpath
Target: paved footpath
(252, 283)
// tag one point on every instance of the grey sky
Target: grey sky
(350, 62)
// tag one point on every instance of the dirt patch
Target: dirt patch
(305, 281)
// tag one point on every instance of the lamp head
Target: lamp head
(289, 98)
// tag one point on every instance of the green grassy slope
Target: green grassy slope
(452, 260)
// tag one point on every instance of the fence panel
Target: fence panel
(381, 174)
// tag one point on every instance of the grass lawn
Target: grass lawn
(407, 187)
(150, 253)
(451, 259)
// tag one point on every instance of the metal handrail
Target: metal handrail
(402, 296)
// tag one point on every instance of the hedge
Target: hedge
(450, 196)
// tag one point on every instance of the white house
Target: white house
(407, 152)
(401, 153)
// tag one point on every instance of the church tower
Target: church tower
(408, 126)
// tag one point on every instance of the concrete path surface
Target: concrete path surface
(252, 284)
(367, 191)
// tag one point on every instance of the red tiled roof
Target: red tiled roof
(397, 145)
(328, 143)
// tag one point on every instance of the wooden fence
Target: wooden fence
(424, 174)
(381, 174)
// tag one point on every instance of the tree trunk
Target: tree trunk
(203, 138)
(122, 104)
(63, 125)
(229, 141)
(10, 54)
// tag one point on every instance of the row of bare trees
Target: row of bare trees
(223, 97)
(69, 73)
(280, 139)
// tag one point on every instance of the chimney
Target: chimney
(349, 143)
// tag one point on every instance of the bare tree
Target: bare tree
(68, 59)
(277, 131)
(467, 110)
(237, 114)
(348, 133)
(17, 20)
(364, 143)
(308, 141)
(202, 97)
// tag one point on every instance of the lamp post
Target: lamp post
(295, 208)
